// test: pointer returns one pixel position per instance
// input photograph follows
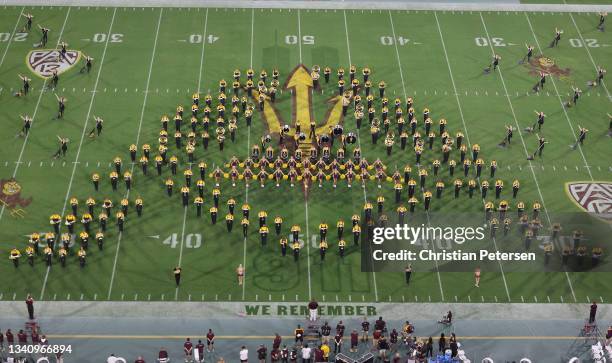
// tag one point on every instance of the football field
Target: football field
(147, 61)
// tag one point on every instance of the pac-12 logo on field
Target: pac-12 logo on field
(593, 197)
(44, 62)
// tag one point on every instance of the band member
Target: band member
(602, 20)
(88, 63)
(529, 54)
(27, 124)
(322, 249)
(477, 277)
(296, 250)
(177, 275)
(63, 147)
(341, 247)
(25, 86)
(44, 36)
(82, 254)
(557, 38)
(278, 222)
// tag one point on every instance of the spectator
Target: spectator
(429, 347)
(380, 324)
(139, 360)
(293, 355)
(354, 340)
(442, 343)
(277, 342)
(199, 349)
(162, 356)
(188, 350)
(313, 307)
(35, 337)
(593, 312)
(306, 353)
(383, 346)
(111, 359)
(262, 353)
(30, 305)
(375, 337)
(275, 355)
(454, 348)
(299, 335)
(1, 341)
(608, 336)
(244, 354)
(210, 340)
(22, 338)
(338, 343)
(325, 352)
(397, 358)
(221, 360)
(340, 328)
(10, 338)
(393, 338)
(325, 331)
(285, 354)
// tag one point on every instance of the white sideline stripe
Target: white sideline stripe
(365, 195)
(78, 153)
(27, 136)
(405, 98)
(535, 179)
(307, 243)
(246, 189)
(348, 5)
(144, 105)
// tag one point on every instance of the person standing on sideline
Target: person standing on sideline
(477, 277)
(30, 305)
(240, 274)
(408, 271)
(313, 307)
(177, 275)
(244, 354)
(442, 343)
(593, 313)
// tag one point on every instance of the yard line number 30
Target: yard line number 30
(574, 42)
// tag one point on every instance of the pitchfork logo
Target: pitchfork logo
(593, 197)
(44, 62)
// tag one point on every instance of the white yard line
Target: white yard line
(78, 153)
(405, 98)
(365, 196)
(246, 189)
(42, 91)
(467, 137)
(144, 105)
(535, 179)
(587, 50)
(12, 36)
(307, 242)
(180, 260)
(202, 55)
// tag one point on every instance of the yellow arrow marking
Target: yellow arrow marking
(301, 83)
(270, 114)
(333, 117)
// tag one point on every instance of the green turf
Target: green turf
(140, 267)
